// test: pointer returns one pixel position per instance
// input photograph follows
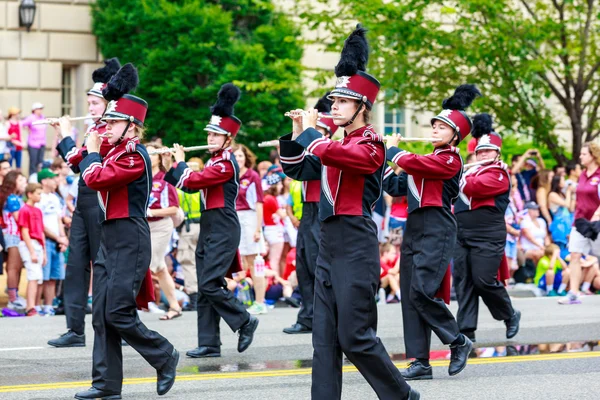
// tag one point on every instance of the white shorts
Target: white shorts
(583, 245)
(160, 236)
(274, 234)
(34, 270)
(248, 225)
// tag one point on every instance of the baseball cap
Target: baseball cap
(45, 174)
(36, 106)
(531, 205)
(269, 181)
(276, 169)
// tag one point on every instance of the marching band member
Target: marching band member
(219, 229)
(431, 183)
(307, 246)
(123, 179)
(84, 235)
(347, 272)
(479, 210)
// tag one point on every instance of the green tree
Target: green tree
(186, 49)
(524, 55)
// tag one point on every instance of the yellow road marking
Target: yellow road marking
(293, 372)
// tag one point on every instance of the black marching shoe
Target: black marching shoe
(93, 394)
(165, 377)
(416, 371)
(204, 352)
(459, 354)
(413, 395)
(246, 333)
(512, 325)
(296, 329)
(69, 339)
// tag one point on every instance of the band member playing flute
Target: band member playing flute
(347, 273)
(219, 229)
(84, 235)
(431, 183)
(478, 256)
(123, 179)
(307, 246)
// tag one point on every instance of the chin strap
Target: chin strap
(452, 138)
(118, 142)
(351, 120)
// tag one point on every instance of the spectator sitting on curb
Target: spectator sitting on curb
(552, 274)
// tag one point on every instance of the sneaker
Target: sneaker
(257, 308)
(587, 292)
(570, 299)
(31, 313)
(552, 293)
(15, 305)
(48, 312)
(563, 293)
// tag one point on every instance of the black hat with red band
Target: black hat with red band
(453, 112)
(223, 121)
(323, 106)
(352, 80)
(123, 106)
(102, 75)
(487, 139)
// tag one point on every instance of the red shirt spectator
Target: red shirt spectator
(588, 195)
(31, 218)
(14, 131)
(270, 207)
(250, 191)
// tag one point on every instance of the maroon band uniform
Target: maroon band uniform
(347, 273)
(480, 209)
(123, 180)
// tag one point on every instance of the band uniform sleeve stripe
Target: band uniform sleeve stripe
(311, 147)
(398, 156)
(184, 177)
(93, 166)
(293, 160)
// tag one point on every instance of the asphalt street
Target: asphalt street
(277, 366)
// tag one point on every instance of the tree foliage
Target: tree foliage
(186, 49)
(536, 61)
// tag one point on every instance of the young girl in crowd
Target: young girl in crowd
(11, 192)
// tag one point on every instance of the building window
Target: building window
(395, 121)
(67, 90)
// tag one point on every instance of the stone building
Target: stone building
(52, 63)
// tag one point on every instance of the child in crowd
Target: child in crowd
(31, 247)
(390, 271)
(552, 274)
(56, 238)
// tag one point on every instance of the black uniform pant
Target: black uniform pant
(307, 251)
(345, 313)
(427, 247)
(217, 248)
(119, 270)
(476, 264)
(84, 242)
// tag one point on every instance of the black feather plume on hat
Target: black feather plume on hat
(462, 98)
(324, 104)
(482, 125)
(103, 74)
(228, 95)
(124, 81)
(355, 53)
